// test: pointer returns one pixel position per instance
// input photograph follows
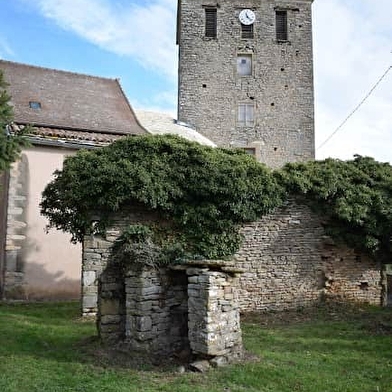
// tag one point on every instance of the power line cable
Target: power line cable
(355, 109)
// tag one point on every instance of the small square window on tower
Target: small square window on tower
(244, 64)
(247, 31)
(211, 22)
(35, 105)
(245, 116)
(281, 26)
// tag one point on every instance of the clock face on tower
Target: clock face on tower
(247, 17)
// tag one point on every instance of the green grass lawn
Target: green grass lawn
(48, 347)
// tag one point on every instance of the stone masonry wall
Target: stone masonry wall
(156, 311)
(110, 305)
(96, 252)
(186, 311)
(289, 263)
(16, 230)
(214, 316)
(280, 86)
(287, 259)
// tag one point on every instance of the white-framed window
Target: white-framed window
(245, 116)
(244, 64)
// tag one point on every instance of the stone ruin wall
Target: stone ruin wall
(291, 263)
(287, 259)
(189, 312)
(146, 309)
(96, 252)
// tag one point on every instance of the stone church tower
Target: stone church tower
(246, 75)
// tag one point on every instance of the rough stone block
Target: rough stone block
(110, 306)
(89, 278)
(110, 319)
(200, 366)
(143, 324)
(89, 301)
(11, 260)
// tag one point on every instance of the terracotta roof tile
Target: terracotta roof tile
(96, 138)
(69, 101)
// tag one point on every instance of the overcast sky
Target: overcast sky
(110, 38)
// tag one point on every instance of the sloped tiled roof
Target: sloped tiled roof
(69, 101)
(72, 135)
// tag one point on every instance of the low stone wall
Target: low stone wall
(291, 263)
(287, 259)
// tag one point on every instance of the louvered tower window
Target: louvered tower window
(281, 26)
(247, 31)
(211, 22)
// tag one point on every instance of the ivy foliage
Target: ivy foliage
(135, 246)
(140, 245)
(10, 144)
(354, 196)
(206, 193)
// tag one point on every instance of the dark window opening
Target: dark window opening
(281, 26)
(35, 105)
(364, 285)
(247, 31)
(211, 23)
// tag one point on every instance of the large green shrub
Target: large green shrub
(207, 193)
(204, 192)
(354, 197)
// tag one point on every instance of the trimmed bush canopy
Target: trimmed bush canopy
(207, 193)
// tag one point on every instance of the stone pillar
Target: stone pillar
(214, 314)
(16, 225)
(96, 253)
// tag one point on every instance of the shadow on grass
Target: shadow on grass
(55, 331)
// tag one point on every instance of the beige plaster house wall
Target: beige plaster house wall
(40, 264)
